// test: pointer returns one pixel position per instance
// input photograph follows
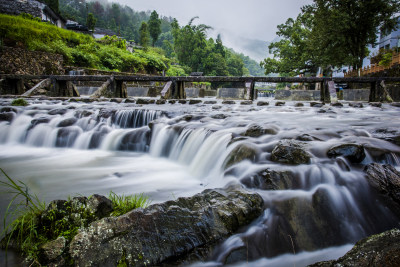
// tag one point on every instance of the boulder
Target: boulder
(166, 231)
(219, 116)
(58, 111)
(385, 179)
(244, 151)
(50, 251)
(194, 101)
(246, 102)
(353, 152)
(210, 102)
(377, 250)
(7, 116)
(161, 101)
(316, 104)
(337, 104)
(228, 102)
(356, 105)
(67, 122)
(290, 152)
(143, 101)
(257, 131)
(129, 100)
(262, 103)
(299, 104)
(280, 103)
(270, 180)
(182, 101)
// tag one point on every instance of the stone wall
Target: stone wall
(16, 7)
(298, 95)
(356, 94)
(21, 61)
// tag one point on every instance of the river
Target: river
(61, 148)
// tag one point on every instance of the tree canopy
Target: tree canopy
(154, 27)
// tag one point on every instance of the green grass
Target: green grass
(78, 49)
(123, 204)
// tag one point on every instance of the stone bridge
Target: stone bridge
(116, 86)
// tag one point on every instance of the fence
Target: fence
(374, 68)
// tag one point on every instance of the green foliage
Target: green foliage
(123, 204)
(176, 70)
(91, 21)
(19, 102)
(154, 27)
(386, 59)
(144, 35)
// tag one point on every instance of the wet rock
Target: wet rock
(106, 113)
(129, 100)
(142, 101)
(396, 104)
(290, 152)
(316, 104)
(161, 101)
(219, 116)
(194, 101)
(8, 109)
(182, 101)
(116, 100)
(322, 111)
(262, 103)
(172, 101)
(246, 102)
(228, 102)
(375, 104)
(337, 104)
(377, 250)
(353, 152)
(299, 104)
(58, 111)
(99, 205)
(306, 138)
(271, 180)
(257, 131)
(245, 151)
(356, 105)
(7, 116)
(39, 120)
(216, 107)
(165, 231)
(385, 179)
(210, 102)
(280, 103)
(50, 251)
(83, 113)
(67, 122)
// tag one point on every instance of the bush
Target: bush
(19, 102)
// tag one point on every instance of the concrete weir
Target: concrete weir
(116, 86)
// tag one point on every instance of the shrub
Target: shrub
(19, 102)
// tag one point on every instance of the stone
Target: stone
(353, 152)
(316, 104)
(375, 104)
(270, 180)
(115, 100)
(210, 102)
(8, 109)
(262, 103)
(290, 152)
(172, 101)
(257, 131)
(299, 104)
(67, 122)
(377, 250)
(219, 116)
(7, 116)
(129, 100)
(356, 105)
(246, 102)
(182, 101)
(50, 251)
(280, 103)
(143, 101)
(337, 104)
(385, 179)
(194, 101)
(244, 151)
(161, 101)
(228, 102)
(216, 107)
(100, 205)
(166, 231)
(58, 111)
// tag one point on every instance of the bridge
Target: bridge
(115, 86)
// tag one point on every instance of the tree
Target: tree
(293, 53)
(91, 21)
(154, 27)
(343, 29)
(144, 35)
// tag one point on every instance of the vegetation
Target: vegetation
(330, 34)
(36, 225)
(19, 102)
(154, 27)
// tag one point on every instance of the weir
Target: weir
(115, 86)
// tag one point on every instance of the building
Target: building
(33, 7)
(390, 40)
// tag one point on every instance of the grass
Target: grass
(123, 204)
(19, 102)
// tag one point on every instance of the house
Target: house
(392, 39)
(33, 7)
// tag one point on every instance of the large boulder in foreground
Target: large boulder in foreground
(377, 250)
(291, 152)
(161, 232)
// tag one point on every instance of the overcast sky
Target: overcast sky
(256, 19)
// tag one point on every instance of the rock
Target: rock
(106, 113)
(262, 103)
(182, 101)
(83, 113)
(228, 102)
(270, 180)
(58, 111)
(210, 102)
(280, 103)
(375, 104)
(115, 100)
(219, 116)
(7, 116)
(353, 152)
(356, 105)
(306, 138)
(142, 101)
(299, 104)
(246, 102)
(290, 152)
(99, 205)
(194, 101)
(39, 120)
(8, 109)
(172, 101)
(161, 101)
(337, 104)
(396, 104)
(322, 111)
(216, 107)
(129, 100)
(257, 131)
(166, 231)
(385, 179)
(67, 122)
(377, 250)
(50, 251)
(316, 104)
(245, 151)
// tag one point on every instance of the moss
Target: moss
(19, 102)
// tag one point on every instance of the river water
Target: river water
(61, 148)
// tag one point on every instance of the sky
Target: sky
(235, 20)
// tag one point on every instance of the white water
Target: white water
(109, 147)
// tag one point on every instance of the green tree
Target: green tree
(91, 21)
(154, 27)
(144, 35)
(343, 29)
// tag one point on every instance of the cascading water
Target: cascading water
(313, 210)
